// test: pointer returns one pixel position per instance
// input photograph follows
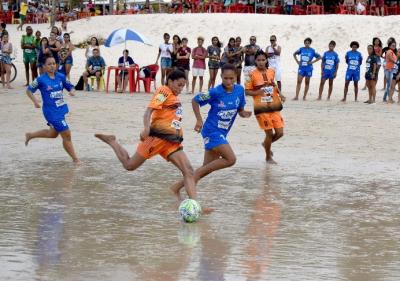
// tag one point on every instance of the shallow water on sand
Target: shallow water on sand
(98, 222)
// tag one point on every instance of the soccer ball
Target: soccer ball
(189, 210)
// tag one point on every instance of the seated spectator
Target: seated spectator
(124, 61)
(94, 67)
(360, 7)
(175, 4)
(288, 6)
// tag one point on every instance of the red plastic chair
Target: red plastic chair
(274, 10)
(147, 81)
(298, 10)
(315, 10)
(391, 11)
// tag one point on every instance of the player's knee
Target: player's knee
(279, 134)
(230, 161)
(129, 167)
(188, 171)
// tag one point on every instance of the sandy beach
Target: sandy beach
(328, 210)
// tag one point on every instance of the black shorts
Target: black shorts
(368, 76)
(94, 74)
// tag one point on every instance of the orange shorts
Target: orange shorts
(152, 146)
(269, 121)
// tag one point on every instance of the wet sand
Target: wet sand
(328, 211)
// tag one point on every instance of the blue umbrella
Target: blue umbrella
(122, 35)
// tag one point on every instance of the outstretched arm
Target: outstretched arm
(33, 99)
(199, 118)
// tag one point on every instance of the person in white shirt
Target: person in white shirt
(165, 50)
(274, 59)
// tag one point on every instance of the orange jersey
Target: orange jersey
(270, 101)
(167, 115)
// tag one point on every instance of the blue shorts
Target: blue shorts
(352, 75)
(69, 60)
(213, 140)
(328, 75)
(58, 125)
(305, 71)
(166, 62)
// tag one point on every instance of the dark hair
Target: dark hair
(3, 25)
(228, 66)
(44, 38)
(373, 49)
(332, 43)
(229, 42)
(66, 34)
(97, 41)
(166, 34)
(219, 45)
(260, 53)
(308, 39)
(185, 39)
(176, 75)
(274, 36)
(391, 40)
(179, 39)
(47, 56)
(354, 43)
(126, 50)
(379, 43)
(238, 38)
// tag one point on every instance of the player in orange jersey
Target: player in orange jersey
(267, 102)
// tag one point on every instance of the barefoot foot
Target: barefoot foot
(27, 138)
(207, 211)
(175, 193)
(106, 138)
(271, 161)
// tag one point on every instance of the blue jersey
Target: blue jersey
(54, 106)
(306, 56)
(224, 108)
(330, 60)
(354, 61)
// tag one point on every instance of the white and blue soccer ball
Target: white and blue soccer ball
(189, 210)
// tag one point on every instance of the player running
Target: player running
(51, 85)
(227, 101)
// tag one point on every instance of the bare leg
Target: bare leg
(46, 133)
(346, 90)
(34, 70)
(194, 83)
(356, 90)
(330, 88)
(119, 81)
(129, 163)
(201, 83)
(298, 86)
(279, 86)
(187, 80)
(68, 70)
(270, 138)
(219, 158)
(67, 144)
(321, 88)
(125, 84)
(163, 71)
(306, 87)
(27, 73)
(180, 160)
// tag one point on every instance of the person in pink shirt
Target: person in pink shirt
(199, 55)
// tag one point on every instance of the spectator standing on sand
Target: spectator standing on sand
(250, 51)
(199, 55)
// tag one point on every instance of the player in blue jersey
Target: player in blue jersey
(227, 101)
(307, 55)
(51, 85)
(354, 61)
(329, 68)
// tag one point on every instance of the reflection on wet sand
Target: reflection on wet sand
(261, 232)
(99, 223)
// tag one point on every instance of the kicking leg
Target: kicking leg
(46, 133)
(129, 163)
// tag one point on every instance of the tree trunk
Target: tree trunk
(111, 9)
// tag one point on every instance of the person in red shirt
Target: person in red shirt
(183, 60)
(199, 55)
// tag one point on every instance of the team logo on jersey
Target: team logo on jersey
(204, 96)
(49, 88)
(221, 104)
(160, 98)
(237, 102)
